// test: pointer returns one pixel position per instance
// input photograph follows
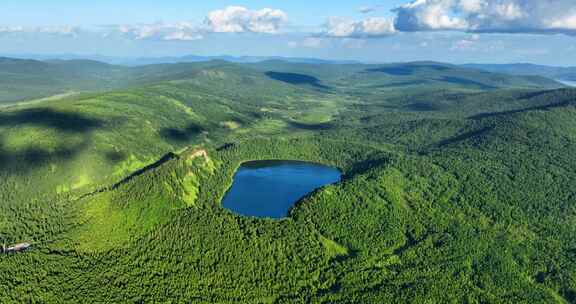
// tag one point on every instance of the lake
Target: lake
(270, 188)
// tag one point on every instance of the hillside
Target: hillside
(458, 186)
(567, 74)
(24, 80)
(31, 79)
(412, 75)
(116, 132)
(405, 212)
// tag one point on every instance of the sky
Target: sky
(457, 31)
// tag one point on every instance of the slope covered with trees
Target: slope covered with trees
(451, 194)
(28, 80)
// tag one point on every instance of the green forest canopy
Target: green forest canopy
(454, 190)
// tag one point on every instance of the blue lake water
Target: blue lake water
(270, 188)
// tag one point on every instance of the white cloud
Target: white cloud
(471, 16)
(11, 29)
(568, 21)
(339, 27)
(233, 19)
(429, 15)
(238, 19)
(59, 30)
(477, 43)
(468, 44)
(493, 16)
(309, 42)
(182, 36)
(370, 9)
(183, 31)
(471, 5)
(69, 31)
(367, 9)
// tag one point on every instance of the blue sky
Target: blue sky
(75, 12)
(499, 31)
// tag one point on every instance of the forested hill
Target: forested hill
(458, 186)
(31, 79)
(412, 75)
(24, 80)
(552, 72)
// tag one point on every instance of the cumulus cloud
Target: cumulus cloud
(491, 16)
(182, 31)
(233, 19)
(474, 16)
(339, 27)
(237, 19)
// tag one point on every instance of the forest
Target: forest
(458, 187)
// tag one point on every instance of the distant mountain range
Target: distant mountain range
(235, 59)
(27, 79)
(178, 59)
(566, 75)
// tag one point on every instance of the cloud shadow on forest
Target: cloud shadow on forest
(296, 79)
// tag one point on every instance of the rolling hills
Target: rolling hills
(567, 74)
(23, 79)
(458, 186)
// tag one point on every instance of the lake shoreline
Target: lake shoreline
(257, 183)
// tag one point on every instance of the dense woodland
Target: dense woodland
(452, 192)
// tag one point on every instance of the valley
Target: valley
(456, 186)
